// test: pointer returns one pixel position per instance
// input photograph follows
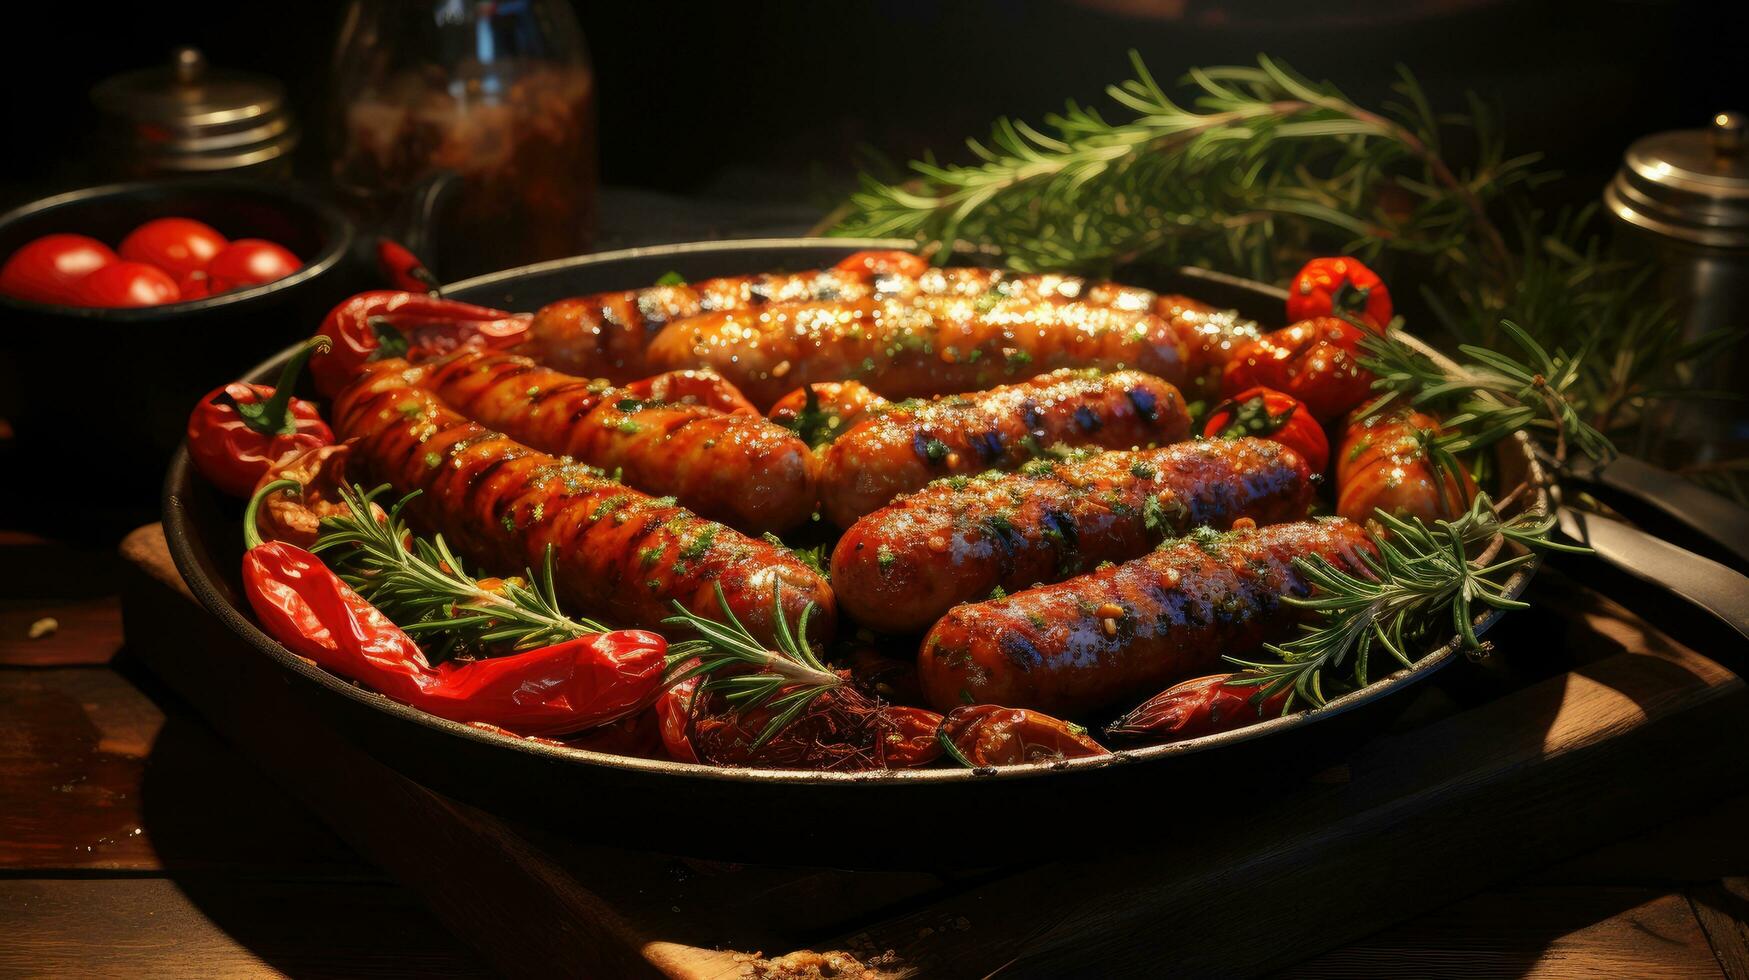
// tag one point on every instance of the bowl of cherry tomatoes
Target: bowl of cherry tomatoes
(119, 303)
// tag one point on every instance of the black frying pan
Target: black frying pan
(909, 818)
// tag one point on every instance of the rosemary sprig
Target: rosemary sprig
(1492, 395)
(736, 664)
(424, 588)
(1424, 577)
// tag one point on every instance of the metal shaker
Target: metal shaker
(1683, 199)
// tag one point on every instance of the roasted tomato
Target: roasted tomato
(1384, 463)
(49, 269)
(1196, 707)
(127, 283)
(1269, 414)
(991, 735)
(179, 246)
(1315, 361)
(1339, 286)
(250, 262)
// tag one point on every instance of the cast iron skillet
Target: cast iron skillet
(933, 817)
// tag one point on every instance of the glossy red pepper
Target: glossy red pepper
(403, 269)
(1265, 413)
(1316, 361)
(1339, 286)
(1196, 707)
(673, 712)
(236, 432)
(418, 324)
(991, 735)
(555, 690)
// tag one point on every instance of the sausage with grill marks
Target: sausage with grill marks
(903, 566)
(741, 469)
(618, 554)
(930, 345)
(1121, 634)
(903, 447)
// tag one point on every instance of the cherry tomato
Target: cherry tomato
(1383, 464)
(1339, 285)
(250, 262)
(1315, 361)
(990, 735)
(1265, 413)
(48, 269)
(1196, 707)
(195, 285)
(179, 246)
(884, 263)
(127, 283)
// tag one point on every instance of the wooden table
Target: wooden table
(134, 841)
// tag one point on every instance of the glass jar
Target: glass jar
(468, 127)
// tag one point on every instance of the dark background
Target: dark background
(775, 101)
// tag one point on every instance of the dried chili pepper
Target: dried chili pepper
(409, 324)
(990, 735)
(238, 430)
(841, 730)
(563, 688)
(1339, 286)
(1201, 706)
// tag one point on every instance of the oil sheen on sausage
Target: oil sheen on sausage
(750, 473)
(1112, 637)
(900, 568)
(618, 554)
(904, 447)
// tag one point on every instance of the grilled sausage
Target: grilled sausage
(617, 553)
(606, 334)
(752, 474)
(1383, 464)
(904, 348)
(906, 446)
(903, 566)
(1125, 632)
(838, 405)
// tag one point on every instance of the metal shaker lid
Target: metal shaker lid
(1690, 184)
(188, 117)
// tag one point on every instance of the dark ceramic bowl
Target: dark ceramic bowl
(927, 817)
(116, 385)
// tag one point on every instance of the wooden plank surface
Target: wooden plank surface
(1500, 778)
(220, 926)
(83, 631)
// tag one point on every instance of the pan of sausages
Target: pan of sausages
(1023, 524)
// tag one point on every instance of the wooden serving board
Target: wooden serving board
(1587, 724)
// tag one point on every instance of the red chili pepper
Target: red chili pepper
(1316, 361)
(555, 690)
(239, 430)
(1339, 286)
(673, 711)
(991, 735)
(1265, 413)
(1196, 707)
(391, 322)
(402, 268)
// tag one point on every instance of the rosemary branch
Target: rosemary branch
(424, 588)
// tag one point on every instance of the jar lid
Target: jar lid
(1690, 184)
(186, 116)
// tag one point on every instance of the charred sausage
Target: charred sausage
(905, 446)
(1125, 632)
(752, 474)
(617, 553)
(903, 566)
(931, 345)
(1383, 464)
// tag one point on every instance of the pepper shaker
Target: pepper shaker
(187, 117)
(1682, 198)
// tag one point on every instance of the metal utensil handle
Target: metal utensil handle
(1706, 513)
(1722, 591)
